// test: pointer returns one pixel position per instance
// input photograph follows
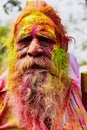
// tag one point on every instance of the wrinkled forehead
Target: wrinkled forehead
(37, 17)
(36, 24)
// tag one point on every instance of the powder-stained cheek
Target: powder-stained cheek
(60, 59)
(48, 50)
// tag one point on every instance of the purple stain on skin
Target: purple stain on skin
(48, 50)
(34, 31)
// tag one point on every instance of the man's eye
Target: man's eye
(25, 40)
(45, 41)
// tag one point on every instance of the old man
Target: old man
(37, 92)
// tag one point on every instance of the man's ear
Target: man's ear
(64, 46)
(63, 41)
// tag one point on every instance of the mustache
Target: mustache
(27, 63)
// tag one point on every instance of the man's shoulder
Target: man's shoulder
(2, 84)
(2, 81)
(3, 92)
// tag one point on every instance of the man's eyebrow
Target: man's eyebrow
(24, 33)
(26, 38)
(41, 35)
(47, 33)
(42, 38)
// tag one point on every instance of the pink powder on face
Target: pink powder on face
(34, 30)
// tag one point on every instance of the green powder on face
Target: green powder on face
(59, 58)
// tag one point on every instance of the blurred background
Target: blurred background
(73, 15)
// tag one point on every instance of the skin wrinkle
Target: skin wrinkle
(43, 29)
(33, 19)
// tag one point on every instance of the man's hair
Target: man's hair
(44, 8)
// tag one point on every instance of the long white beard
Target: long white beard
(38, 97)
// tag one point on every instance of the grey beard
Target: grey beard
(38, 93)
(39, 100)
(41, 96)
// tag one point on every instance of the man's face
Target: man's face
(35, 37)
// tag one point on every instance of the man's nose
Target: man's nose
(34, 48)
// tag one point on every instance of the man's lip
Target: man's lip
(35, 66)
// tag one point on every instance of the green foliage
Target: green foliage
(3, 31)
(10, 4)
(3, 36)
(86, 2)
